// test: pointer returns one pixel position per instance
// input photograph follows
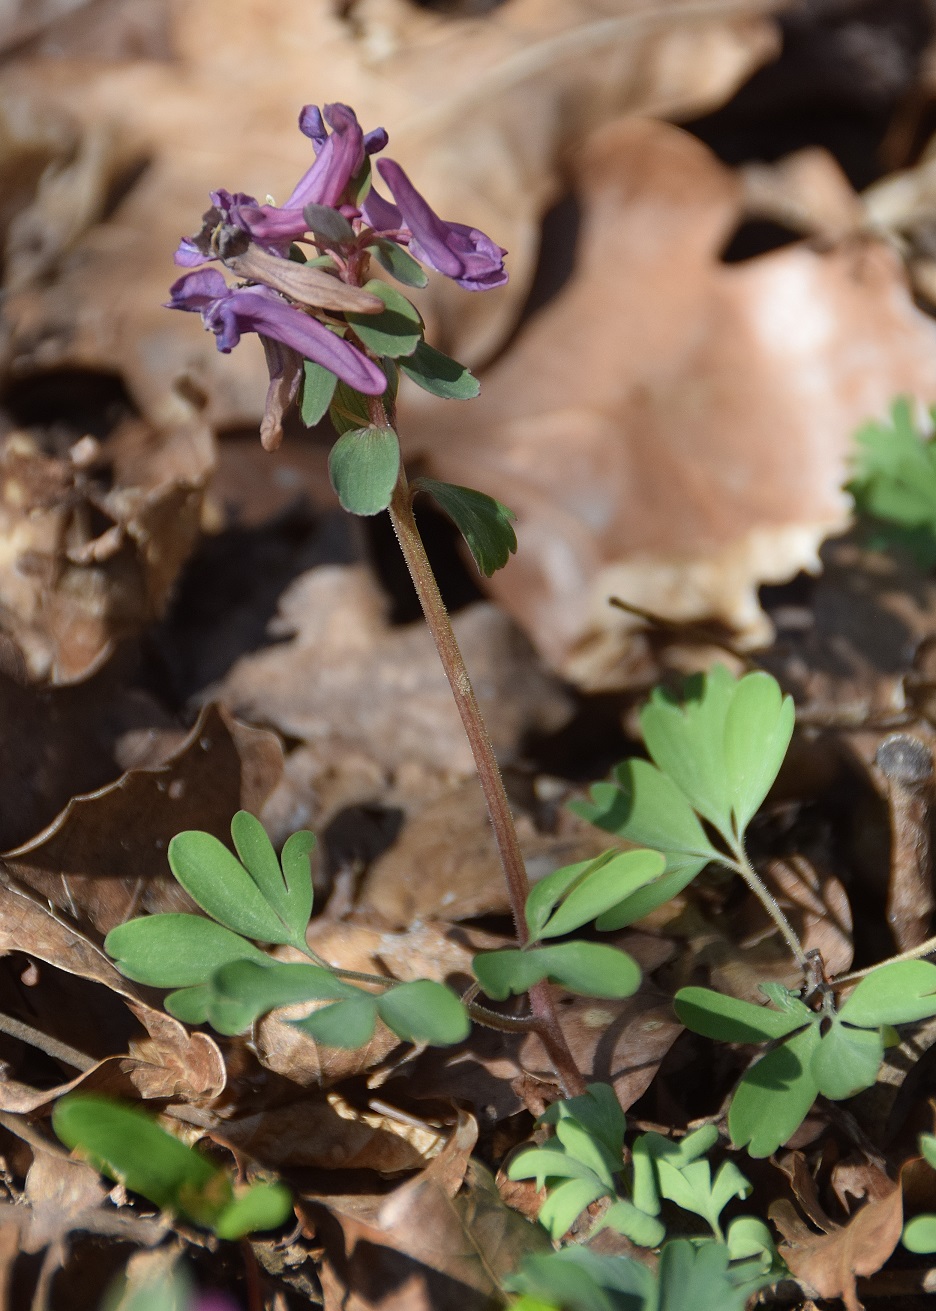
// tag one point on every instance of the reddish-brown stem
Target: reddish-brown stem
(546, 1024)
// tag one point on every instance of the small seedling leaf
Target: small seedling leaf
(396, 331)
(749, 1237)
(898, 993)
(440, 375)
(730, 1019)
(597, 1110)
(175, 950)
(424, 1012)
(318, 390)
(627, 1219)
(584, 967)
(485, 524)
(775, 1095)
(566, 1203)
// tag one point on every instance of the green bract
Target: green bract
(396, 331)
(484, 523)
(836, 1054)
(363, 467)
(125, 1144)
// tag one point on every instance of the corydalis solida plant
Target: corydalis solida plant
(343, 337)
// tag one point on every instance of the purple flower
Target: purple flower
(465, 254)
(288, 336)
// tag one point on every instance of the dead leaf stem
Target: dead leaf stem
(59, 1051)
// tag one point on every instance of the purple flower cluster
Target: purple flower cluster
(244, 234)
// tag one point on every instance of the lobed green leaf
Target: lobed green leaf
(485, 524)
(438, 374)
(424, 1012)
(175, 950)
(732, 1020)
(775, 1095)
(898, 993)
(363, 467)
(584, 967)
(396, 331)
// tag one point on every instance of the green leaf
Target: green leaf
(126, 1145)
(575, 1279)
(585, 967)
(424, 1012)
(731, 1020)
(485, 524)
(440, 375)
(697, 1277)
(639, 904)
(175, 950)
(898, 993)
(566, 1203)
(545, 1164)
(895, 483)
(600, 889)
(627, 1219)
(399, 263)
(649, 809)
(919, 1234)
(220, 884)
(579, 1143)
(243, 991)
(345, 1024)
(396, 331)
(597, 1110)
(328, 225)
(758, 728)
(775, 1095)
(847, 1060)
(363, 467)
(318, 390)
(749, 1237)
(687, 742)
(262, 1206)
(547, 892)
(692, 1188)
(928, 1148)
(190, 1005)
(349, 409)
(287, 888)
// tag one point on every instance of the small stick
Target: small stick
(907, 766)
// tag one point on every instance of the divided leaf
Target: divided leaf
(424, 1012)
(898, 993)
(175, 950)
(775, 1095)
(363, 467)
(588, 889)
(485, 524)
(585, 967)
(730, 1019)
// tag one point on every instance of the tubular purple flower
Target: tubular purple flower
(231, 311)
(468, 256)
(340, 155)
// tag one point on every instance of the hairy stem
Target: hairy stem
(546, 1024)
(754, 881)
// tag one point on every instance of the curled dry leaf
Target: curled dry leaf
(710, 407)
(310, 687)
(95, 539)
(829, 1263)
(171, 1063)
(103, 860)
(458, 95)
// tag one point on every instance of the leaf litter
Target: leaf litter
(704, 456)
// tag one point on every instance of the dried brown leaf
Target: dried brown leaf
(669, 375)
(829, 1263)
(457, 95)
(104, 859)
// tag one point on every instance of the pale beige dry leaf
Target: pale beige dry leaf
(309, 687)
(94, 540)
(710, 408)
(484, 111)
